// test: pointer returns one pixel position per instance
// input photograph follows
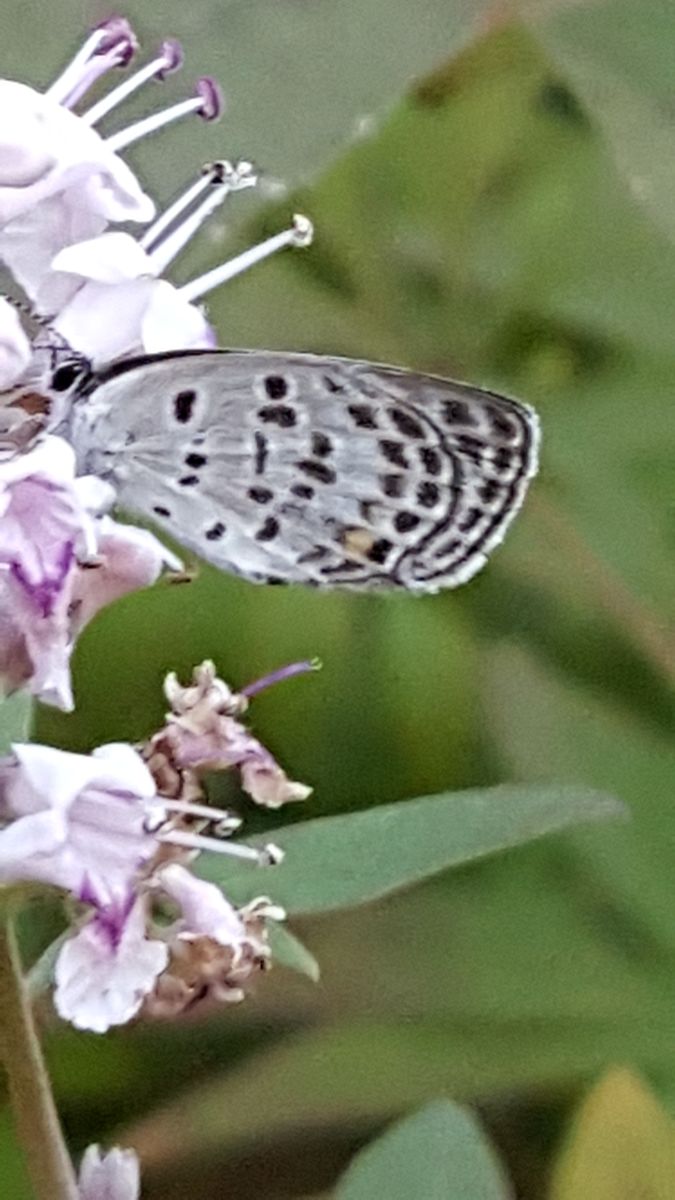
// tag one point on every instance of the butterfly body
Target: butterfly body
(287, 467)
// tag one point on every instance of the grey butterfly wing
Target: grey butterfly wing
(290, 467)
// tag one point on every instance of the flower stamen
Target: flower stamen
(218, 816)
(263, 856)
(297, 668)
(298, 235)
(207, 103)
(225, 178)
(111, 44)
(169, 59)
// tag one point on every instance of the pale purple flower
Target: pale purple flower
(60, 561)
(114, 1175)
(76, 821)
(96, 827)
(105, 971)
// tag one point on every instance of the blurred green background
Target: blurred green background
(493, 189)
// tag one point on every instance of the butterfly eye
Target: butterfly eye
(67, 374)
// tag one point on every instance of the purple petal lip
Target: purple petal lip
(172, 53)
(213, 103)
(45, 593)
(111, 920)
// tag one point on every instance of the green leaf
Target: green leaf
(622, 1145)
(368, 1071)
(439, 1153)
(16, 714)
(288, 951)
(617, 57)
(338, 862)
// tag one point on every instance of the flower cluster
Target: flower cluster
(117, 831)
(63, 189)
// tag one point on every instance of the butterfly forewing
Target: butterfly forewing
(290, 467)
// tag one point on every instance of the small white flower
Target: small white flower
(111, 1176)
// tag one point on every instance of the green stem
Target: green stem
(37, 1123)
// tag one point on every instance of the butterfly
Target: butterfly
(284, 468)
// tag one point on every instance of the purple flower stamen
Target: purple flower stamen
(297, 668)
(212, 97)
(172, 53)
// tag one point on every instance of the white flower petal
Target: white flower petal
(103, 320)
(204, 909)
(56, 776)
(41, 833)
(111, 258)
(118, 766)
(171, 323)
(111, 1176)
(47, 150)
(101, 981)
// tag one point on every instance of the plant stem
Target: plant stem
(37, 1123)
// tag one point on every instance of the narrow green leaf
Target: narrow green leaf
(288, 951)
(440, 1153)
(338, 862)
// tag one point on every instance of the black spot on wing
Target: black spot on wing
(393, 486)
(268, 530)
(405, 521)
(379, 551)
(276, 387)
(183, 406)
(363, 416)
(260, 495)
(321, 445)
(457, 412)
(428, 494)
(406, 423)
(431, 459)
(316, 470)
(394, 453)
(278, 414)
(303, 491)
(260, 452)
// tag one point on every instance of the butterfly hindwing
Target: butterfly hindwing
(311, 469)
